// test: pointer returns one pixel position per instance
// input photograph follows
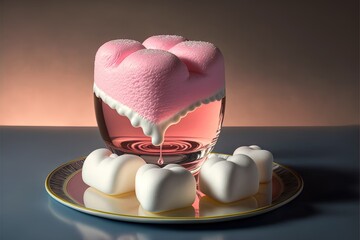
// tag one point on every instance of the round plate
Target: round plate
(66, 186)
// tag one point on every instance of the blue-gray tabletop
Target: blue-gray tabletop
(326, 157)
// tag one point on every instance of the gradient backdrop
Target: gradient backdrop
(287, 63)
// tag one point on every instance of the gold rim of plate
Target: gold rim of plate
(56, 182)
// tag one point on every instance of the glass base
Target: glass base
(189, 153)
(187, 142)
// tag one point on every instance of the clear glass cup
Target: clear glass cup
(187, 143)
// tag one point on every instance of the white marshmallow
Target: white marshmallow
(229, 180)
(262, 158)
(110, 173)
(163, 189)
(123, 204)
(255, 147)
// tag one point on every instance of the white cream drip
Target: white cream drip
(155, 131)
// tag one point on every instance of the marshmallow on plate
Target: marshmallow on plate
(229, 180)
(163, 189)
(262, 158)
(110, 173)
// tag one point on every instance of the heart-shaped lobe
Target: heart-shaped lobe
(159, 78)
(164, 189)
(110, 173)
(263, 159)
(229, 180)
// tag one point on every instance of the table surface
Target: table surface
(326, 157)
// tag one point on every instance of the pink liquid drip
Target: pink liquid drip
(187, 143)
(161, 159)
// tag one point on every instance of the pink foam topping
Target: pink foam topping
(161, 77)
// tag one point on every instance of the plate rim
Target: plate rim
(171, 220)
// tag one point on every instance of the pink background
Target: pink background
(287, 63)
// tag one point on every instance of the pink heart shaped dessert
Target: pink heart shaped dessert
(158, 82)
